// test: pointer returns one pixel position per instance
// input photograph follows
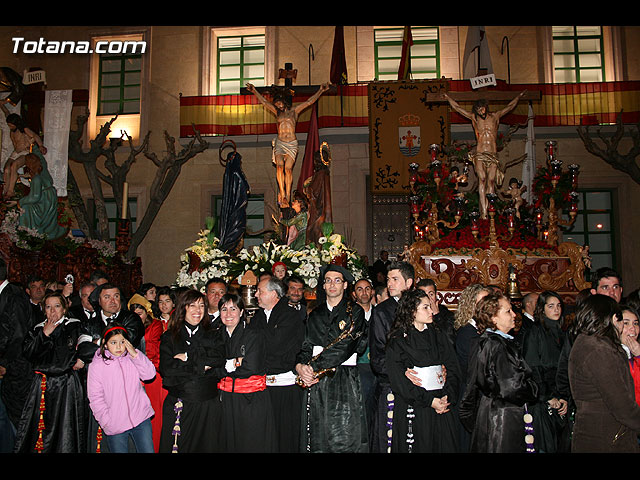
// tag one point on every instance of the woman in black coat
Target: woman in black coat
(191, 351)
(500, 384)
(422, 418)
(542, 348)
(53, 419)
(248, 422)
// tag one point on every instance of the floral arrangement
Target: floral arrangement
(33, 240)
(23, 237)
(204, 259)
(105, 249)
(545, 190)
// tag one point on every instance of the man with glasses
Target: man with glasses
(327, 367)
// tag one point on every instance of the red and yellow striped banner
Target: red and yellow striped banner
(343, 106)
(347, 106)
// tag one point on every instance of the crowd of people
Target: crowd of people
(369, 366)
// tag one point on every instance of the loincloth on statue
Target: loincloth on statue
(489, 159)
(281, 147)
(14, 155)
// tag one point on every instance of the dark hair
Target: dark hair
(185, 299)
(112, 329)
(538, 312)
(604, 272)
(108, 286)
(379, 289)
(300, 197)
(365, 279)
(406, 311)
(596, 315)
(427, 282)
(633, 299)
(406, 269)
(15, 119)
(582, 295)
(630, 308)
(215, 280)
(481, 102)
(486, 309)
(145, 287)
(3, 270)
(236, 300)
(97, 275)
(168, 291)
(293, 278)
(284, 95)
(34, 278)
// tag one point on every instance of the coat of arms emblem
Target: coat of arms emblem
(409, 134)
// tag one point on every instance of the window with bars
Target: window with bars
(240, 60)
(578, 54)
(595, 227)
(255, 217)
(119, 84)
(425, 52)
(113, 216)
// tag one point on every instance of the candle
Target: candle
(434, 151)
(550, 149)
(125, 199)
(474, 220)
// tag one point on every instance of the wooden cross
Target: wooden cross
(288, 73)
(485, 93)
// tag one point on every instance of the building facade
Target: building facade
(181, 62)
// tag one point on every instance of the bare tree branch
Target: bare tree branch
(169, 168)
(89, 160)
(624, 162)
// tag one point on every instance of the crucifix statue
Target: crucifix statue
(485, 157)
(285, 145)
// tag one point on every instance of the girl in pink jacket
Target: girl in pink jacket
(116, 394)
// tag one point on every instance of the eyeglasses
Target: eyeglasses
(337, 281)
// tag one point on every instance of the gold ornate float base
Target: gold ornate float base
(561, 270)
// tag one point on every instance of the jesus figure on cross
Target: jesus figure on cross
(285, 147)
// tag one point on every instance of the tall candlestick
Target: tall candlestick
(125, 199)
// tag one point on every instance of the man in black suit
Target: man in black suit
(107, 304)
(295, 293)
(85, 310)
(442, 316)
(214, 289)
(36, 290)
(110, 310)
(400, 277)
(284, 334)
(15, 371)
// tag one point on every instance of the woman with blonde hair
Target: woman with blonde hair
(465, 336)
